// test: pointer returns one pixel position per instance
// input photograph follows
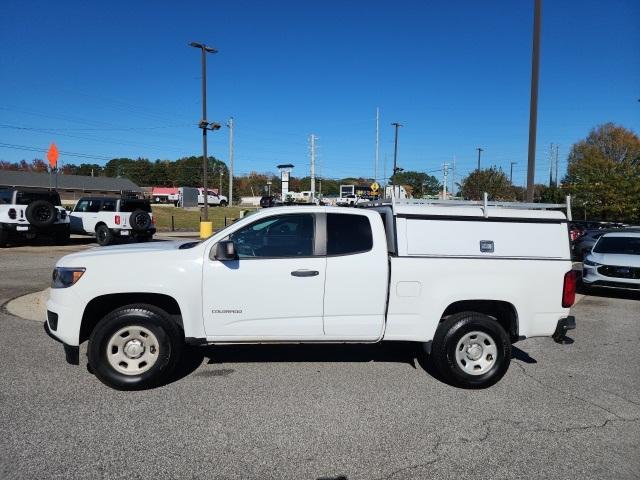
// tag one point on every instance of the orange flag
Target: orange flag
(52, 155)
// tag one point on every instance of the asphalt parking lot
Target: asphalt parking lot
(330, 412)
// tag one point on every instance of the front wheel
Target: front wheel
(471, 350)
(134, 347)
(223, 203)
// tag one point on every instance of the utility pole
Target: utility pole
(557, 148)
(453, 177)
(480, 150)
(511, 172)
(220, 189)
(551, 150)
(204, 124)
(230, 125)
(445, 172)
(395, 157)
(375, 169)
(533, 106)
(312, 139)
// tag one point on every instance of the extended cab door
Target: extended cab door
(274, 291)
(356, 287)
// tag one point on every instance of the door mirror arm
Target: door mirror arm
(224, 251)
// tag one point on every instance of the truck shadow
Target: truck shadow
(608, 292)
(409, 353)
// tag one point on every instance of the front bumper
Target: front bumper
(71, 353)
(591, 277)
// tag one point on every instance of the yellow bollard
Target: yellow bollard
(206, 229)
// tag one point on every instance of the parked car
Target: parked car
(583, 244)
(111, 218)
(269, 201)
(213, 198)
(31, 213)
(513, 280)
(614, 262)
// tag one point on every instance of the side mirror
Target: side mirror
(225, 251)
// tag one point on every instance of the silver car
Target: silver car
(614, 262)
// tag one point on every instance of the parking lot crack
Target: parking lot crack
(552, 388)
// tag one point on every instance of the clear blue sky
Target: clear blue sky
(112, 79)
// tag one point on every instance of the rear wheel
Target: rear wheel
(134, 347)
(103, 235)
(471, 350)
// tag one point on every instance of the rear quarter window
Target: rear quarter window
(348, 234)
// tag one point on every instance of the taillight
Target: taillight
(569, 289)
(12, 214)
(117, 219)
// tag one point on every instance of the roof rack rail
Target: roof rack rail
(485, 204)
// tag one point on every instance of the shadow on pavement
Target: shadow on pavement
(608, 292)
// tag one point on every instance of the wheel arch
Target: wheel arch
(100, 306)
(505, 313)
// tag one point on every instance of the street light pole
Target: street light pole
(395, 157)
(533, 105)
(204, 124)
(511, 173)
(480, 150)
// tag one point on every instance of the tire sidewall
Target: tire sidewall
(107, 235)
(38, 204)
(108, 326)
(460, 325)
(133, 220)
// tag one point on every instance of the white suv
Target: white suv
(614, 262)
(30, 213)
(109, 218)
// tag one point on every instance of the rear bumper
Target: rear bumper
(563, 326)
(25, 228)
(128, 232)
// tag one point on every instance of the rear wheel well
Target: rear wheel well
(97, 308)
(503, 312)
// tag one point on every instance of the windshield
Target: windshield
(618, 245)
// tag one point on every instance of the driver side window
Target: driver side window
(281, 236)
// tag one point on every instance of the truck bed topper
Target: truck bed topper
(497, 209)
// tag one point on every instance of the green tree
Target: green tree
(419, 183)
(491, 180)
(603, 174)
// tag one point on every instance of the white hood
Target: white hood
(138, 249)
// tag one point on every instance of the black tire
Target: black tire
(139, 220)
(166, 346)
(444, 348)
(4, 238)
(62, 238)
(223, 203)
(41, 213)
(104, 236)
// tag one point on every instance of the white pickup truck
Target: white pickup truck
(464, 280)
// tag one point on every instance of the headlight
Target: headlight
(591, 263)
(65, 277)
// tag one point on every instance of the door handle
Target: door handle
(305, 273)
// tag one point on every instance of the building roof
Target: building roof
(10, 178)
(164, 191)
